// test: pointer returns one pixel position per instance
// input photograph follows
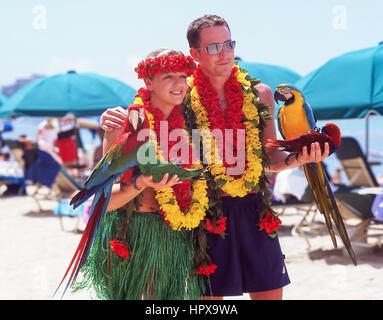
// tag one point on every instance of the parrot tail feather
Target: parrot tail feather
(272, 143)
(84, 194)
(86, 241)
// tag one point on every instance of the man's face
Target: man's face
(214, 65)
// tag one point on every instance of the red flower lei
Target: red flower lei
(175, 121)
(231, 117)
(162, 64)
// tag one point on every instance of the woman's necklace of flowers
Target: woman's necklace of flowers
(240, 113)
(178, 207)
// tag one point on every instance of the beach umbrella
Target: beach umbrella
(272, 75)
(82, 94)
(3, 98)
(349, 86)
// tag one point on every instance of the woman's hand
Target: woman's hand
(143, 182)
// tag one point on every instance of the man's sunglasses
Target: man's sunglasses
(216, 48)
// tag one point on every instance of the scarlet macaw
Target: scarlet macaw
(120, 160)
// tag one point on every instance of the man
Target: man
(248, 260)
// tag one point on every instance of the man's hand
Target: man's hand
(113, 118)
(315, 154)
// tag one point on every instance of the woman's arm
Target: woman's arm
(122, 194)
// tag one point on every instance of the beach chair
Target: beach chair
(16, 182)
(51, 180)
(355, 200)
(354, 163)
(355, 205)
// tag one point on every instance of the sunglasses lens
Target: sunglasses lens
(214, 48)
(229, 45)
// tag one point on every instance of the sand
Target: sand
(35, 253)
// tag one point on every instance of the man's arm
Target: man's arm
(277, 156)
(112, 122)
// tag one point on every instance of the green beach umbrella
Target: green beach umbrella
(82, 94)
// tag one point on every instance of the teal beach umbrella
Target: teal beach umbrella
(272, 75)
(82, 94)
(3, 99)
(349, 86)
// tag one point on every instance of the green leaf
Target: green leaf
(254, 122)
(272, 235)
(221, 182)
(249, 184)
(258, 152)
(194, 201)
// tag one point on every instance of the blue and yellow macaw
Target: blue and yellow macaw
(295, 119)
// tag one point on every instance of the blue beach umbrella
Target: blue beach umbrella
(82, 94)
(349, 86)
(272, 75)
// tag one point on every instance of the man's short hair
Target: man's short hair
(195, 27)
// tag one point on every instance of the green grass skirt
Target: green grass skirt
(159, 266)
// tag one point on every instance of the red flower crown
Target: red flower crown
(162, 64)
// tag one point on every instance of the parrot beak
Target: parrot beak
(136, 118)
(283, 94)
(142, 115)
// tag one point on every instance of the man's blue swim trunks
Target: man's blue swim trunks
(248, 260)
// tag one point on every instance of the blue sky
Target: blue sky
(109, 37)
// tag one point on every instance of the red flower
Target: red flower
(207, 270)
(119, 248)
(270, 223)
(220, 224)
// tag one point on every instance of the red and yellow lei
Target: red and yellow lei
(184, 204)
(241, 113)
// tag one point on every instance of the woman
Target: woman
(145, 246)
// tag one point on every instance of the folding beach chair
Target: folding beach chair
(356, 200)
(354, 163)
(17, 183)
(365, 230)
(45, 172)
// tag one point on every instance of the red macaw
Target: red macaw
(120, 159)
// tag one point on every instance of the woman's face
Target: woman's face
(167, 89)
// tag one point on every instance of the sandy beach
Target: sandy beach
(35, 253)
